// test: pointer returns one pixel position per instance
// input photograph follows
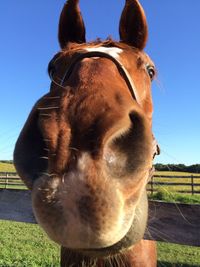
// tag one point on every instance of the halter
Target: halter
(123, 72)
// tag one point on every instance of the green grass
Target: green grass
(25, 245)
(7, 167)
(165, 195)
(172, 255)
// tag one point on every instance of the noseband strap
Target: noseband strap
(123, 72)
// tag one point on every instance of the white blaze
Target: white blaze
(112, 51)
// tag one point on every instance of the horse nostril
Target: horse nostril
(140, 124)
(135, 117)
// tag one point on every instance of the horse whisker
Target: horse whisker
(185, 219)
(161, 234)
(73, 148)
(52, 174)
(48, 108)
(46, 158)
(149, 233)
(45, 173)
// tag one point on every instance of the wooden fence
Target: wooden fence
(189, 184)
(184, 184)
(11, 180)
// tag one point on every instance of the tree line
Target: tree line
(178, 167)
(6, 161)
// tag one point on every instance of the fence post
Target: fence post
(152, 185)
(192, 184)
(6, 180)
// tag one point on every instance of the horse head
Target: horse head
(86, 149)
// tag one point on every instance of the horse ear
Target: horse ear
(71, 25)
(133, 28)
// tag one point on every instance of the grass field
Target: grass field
(176, 173)
(7, 167)
(25, 245)
(167, 196)
(172, 255)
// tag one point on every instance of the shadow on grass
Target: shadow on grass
(169, 264)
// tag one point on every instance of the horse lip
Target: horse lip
(129, 240)
(124, 244)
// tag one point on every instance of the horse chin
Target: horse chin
(48, 205)
(133, 236)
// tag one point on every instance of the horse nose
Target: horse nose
(129, 149)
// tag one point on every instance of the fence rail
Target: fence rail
(10, 180)
(177, 176)
(190, 182)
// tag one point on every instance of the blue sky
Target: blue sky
(29, 40)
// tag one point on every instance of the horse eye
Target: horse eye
(151, 71)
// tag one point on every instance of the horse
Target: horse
(87, 147)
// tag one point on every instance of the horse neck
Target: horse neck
(143, 254)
